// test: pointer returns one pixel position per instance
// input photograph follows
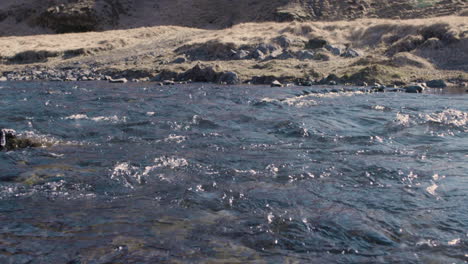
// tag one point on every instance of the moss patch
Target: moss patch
(375, 73)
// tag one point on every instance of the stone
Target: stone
(267, 48)
(229, 78)
(332, 83)
(285, 55)
(351, 53)
(276, 83)
(179, 60)
(378, 89)
(316, 43)
(120, 80)
(3, 79)
(168, 82)
(10, 141)
(305, 55)
(242, 55)
(436, 84)
(335, 49)
(203, 73)
(283, 41)
(6, 135)
(378, 85)
(417, 88)
(258, 54)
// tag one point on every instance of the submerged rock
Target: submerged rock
(9, 141)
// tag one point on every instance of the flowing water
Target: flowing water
(138, 173)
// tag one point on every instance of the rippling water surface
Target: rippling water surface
(208, 174)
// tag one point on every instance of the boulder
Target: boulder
(283, 41)
(202, 73)
(276, 83)
(179, 60)
(267, 48)
(351, 53)
(417, 88)
(9, 141)
(285, 55)
(3, 79)
(229, 78)
(436, 84)
(258, 54)
(305, 55)
(316, 43)
(241, 54)
(335, 49)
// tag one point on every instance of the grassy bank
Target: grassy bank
(389, 51)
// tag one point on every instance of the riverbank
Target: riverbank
(367, 51)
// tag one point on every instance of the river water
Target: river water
(137, 173)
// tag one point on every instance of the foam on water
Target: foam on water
(449, 117)
(113, 118)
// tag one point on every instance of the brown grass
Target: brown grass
(402, 43)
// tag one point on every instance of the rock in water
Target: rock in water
(436, 84)
(9, 141)
(414, 88)
(121, 80)
(168, 82)
(6, 135)
(229, 78)
(276, 83)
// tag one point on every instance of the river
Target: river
(138, 173)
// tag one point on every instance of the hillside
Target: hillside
(29, 17)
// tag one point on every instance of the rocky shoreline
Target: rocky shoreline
(367, 53)
(209, 74)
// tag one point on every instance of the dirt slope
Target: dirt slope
(29, 17)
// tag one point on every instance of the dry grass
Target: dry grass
(114, 49)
